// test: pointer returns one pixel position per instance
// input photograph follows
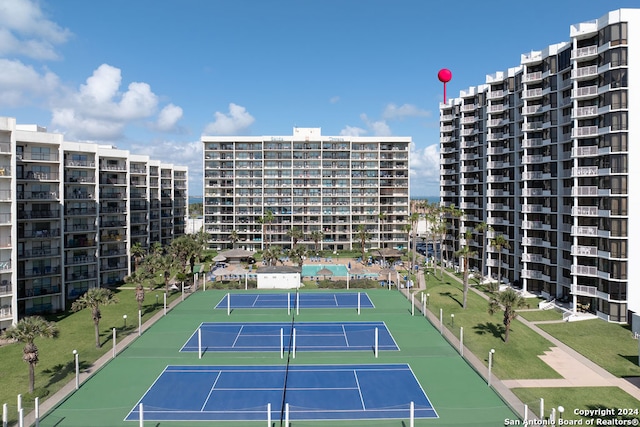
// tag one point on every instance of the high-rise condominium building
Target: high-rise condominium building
(258, 189)
(543, 154)
(70, 212)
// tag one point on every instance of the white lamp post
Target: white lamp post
(124, 318)
(75, 356)
(490, 363)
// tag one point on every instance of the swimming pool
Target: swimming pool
(338, 270)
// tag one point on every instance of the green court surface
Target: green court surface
(458, 394)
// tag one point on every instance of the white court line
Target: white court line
(346, 339)
(237, 336)
(355, 374)
(255, 301)
(213, 386)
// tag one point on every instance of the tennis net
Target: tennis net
(286, 370)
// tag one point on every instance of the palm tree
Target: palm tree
(317, 236)
(481, 229)
(363, 236)
(234, 237)
(296, 235)
(455, 214)
(137, 253)
(139, 295)
(272, 254)
(499, 242)
(266, 221)
(298, 253)
(413, 219)
(441, 231)
(465, 252)
(182, 249)
(93, 299)
(509, 301)
(381, 217)
(26, 331)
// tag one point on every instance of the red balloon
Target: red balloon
(444, 75)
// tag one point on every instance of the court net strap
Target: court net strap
(286, 371)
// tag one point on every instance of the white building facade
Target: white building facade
(318, 184)
(70, 212)
(542, 154)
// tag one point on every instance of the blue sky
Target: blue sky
(152, 76)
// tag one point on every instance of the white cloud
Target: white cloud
(168, 118)
(393, 112)
(378, 127)
(334, 99)
(20, 83)
(352, 131)
(424, 169)
(179, 153)
(99, 111)
(24, 30)
(237, 120)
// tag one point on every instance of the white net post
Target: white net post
(440, 321)
(461, 339)
(141, 414)
(293, 345)
(165, 303)
(113, 340)
(21, 417)
(526, 414)
(288, 304)
(269, 415)
(286, 414)
(358, 303)
(19, 402)
(413, 304)
(139, 322)
(37, 410)
(412, 411)
(281, 343)
(542, 408)
(200, 343)
(228, 304)
(375, 344)
(5, 415)
(297, 303)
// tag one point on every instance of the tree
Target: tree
(296, 235)
(26, 331)
(137, 253)
(317, 236)
(93, 299)
(298, 254)
(139, 296)
(441, 232)
(381, 217)
(266, 221)
(234, 237)
(272, 254)
(481, 229)
(182, 249)
(363, 236)
(508, 301)
(499, 242)
(465, 252)
(413, 219)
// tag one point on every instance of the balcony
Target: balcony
(584, 171)
(532, 77)
(589, 151)
(584, 112)
(585, 52)
(532, 241)
(532, 258)
(579, 250)
(582, 230)
(584, 132)
(584, 211)
(585, 73)
(532, 93)
(532, 142)
(585, 191)
(583, 270)
(585, 92)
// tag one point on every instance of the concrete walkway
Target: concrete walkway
(576, 370)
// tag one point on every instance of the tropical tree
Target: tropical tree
(455, 215)
(413, 219)
(296, 235)
(316, 236)
(297, 254)
(481, 228)
(272, 254)
(508, 301)
(381, 217)
(182, 249)
(363, 236)
(465, 252)
(234, 237)
(266, 221)
(441, 232)
(137, 253)
(498, 243)
(139, 296)
(26, 331)
(93, 299)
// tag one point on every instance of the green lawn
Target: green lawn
(56, 366)
(517, 359)
(608, 344)
(577, 398)
(540, 315)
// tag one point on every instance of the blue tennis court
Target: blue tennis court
(313, 392)
(273, 336)
(293, 299)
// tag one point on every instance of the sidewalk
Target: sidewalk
(576, 369)
(66, 391)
